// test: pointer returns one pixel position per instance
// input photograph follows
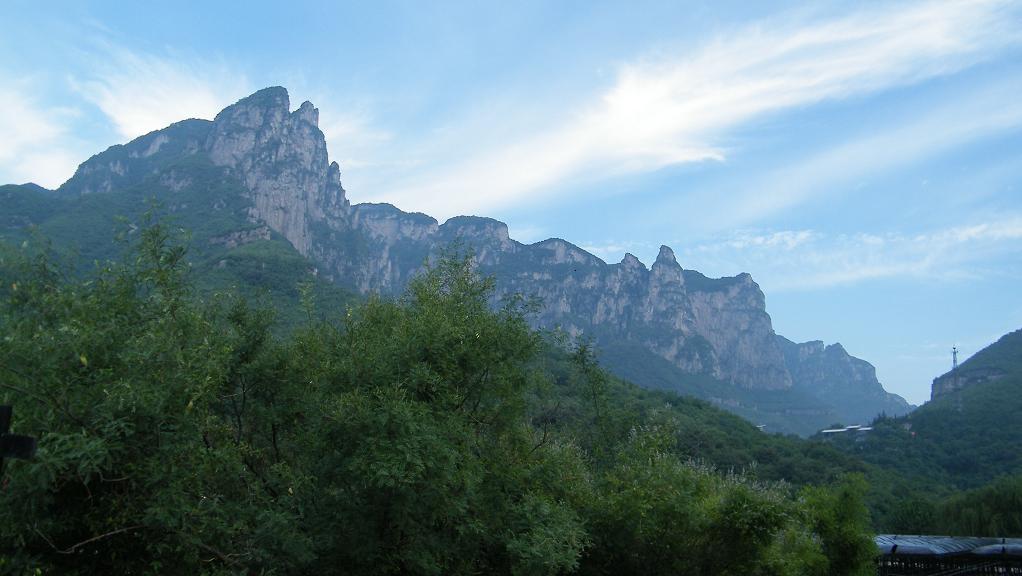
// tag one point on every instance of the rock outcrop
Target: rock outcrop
(278, 155)
(1002, 359)
(835, 377)
(954, 381)
(124, 166)
(713, 327)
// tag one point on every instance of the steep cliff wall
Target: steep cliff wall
(848, 383)
(713, 327)
(281, 157)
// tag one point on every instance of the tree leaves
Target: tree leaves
(410, 436)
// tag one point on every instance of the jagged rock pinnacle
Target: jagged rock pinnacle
(630, 261)
(308, 113)
(267, 106)
(281, 157)
(666, 257)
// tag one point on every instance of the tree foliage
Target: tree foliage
(178, 434)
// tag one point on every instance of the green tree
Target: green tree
(432, 467)
(422, 435)
(142, 465)
(838, 516)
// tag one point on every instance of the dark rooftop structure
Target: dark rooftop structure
(916, 555)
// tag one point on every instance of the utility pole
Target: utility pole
(954, 366)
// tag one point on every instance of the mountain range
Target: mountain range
(266, 209)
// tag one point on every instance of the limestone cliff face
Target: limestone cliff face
(955, 381)
(848, 383)
(281, 158)
(374, 247)
(717, 327)
(278, 155)
(703, 326)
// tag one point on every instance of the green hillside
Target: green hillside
(1005, 354)
(427, 434)
(225, 249)
(946, 446)
(962, 440)
(271, 274)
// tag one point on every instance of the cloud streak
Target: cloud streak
(986, 112)
(799, 260)
(35, 145)
(676, 109)
(141, 92)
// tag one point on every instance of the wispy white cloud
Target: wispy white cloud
(354, 134)
(137, 92)
(614, 250)
(986, 112)
(35, 144)
(672, 109)
(794, 260)
(784, 240)
(140, 92)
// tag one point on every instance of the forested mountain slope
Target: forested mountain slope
(426, 434)
(961, 440)
(266, 207)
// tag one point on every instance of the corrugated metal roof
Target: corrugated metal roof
(897, 544)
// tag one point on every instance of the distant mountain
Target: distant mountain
(1001, 359)
(257, 190)
(111, 193)
(831, 375)
(967, 435)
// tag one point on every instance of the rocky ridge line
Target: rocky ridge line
(716, 327)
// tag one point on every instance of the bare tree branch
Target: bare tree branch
(74, 547)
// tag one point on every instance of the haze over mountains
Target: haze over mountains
(259, 175)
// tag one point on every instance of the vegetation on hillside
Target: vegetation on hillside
(992, 510)
(429, 434)
(952, 466)
(206, 208)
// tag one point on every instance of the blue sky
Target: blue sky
(861, 160)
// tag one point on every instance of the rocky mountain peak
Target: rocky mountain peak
(477, 227)
(267, 108)
(837, 349)
(630, 262)
(666, 271)
(560, 251)
(307, 113)
(812, 347)
(832, 375)
(666, 258)
(708, 326)
(281, 157)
